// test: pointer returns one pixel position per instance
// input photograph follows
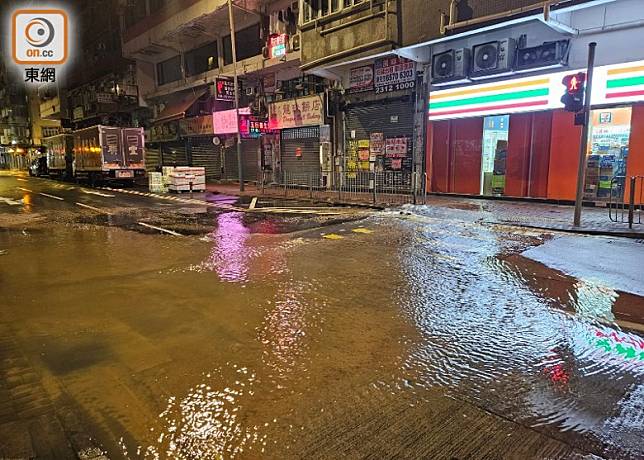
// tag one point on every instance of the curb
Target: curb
(589, 231)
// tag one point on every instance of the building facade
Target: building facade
(496, 124)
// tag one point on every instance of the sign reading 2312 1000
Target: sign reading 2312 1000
(394, 74)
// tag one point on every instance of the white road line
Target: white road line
(10, 202)
(91, 192)
(22, 180)
(25, 190)
(51, 196)
(93, 208)
(164, 230)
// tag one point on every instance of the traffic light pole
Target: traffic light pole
(581, 171)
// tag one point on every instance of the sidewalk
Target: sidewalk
(521, 213)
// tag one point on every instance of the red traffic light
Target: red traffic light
(574, 83)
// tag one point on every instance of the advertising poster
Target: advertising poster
(361, 79)
(394, 74)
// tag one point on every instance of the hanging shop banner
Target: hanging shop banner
(361, 79)
(612, 84)
(196, 126)
(292, 113)
(394, 74)
(164, 132)
(225, 121)
(224, 89)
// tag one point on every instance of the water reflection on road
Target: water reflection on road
(247, 345)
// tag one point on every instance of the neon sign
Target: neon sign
(277, 45)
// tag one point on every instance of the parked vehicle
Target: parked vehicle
(38, 167)
(108, 153)
(59, 155)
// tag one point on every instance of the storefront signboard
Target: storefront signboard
(164, 132)
(196, 126)
(612, 84)
(292, 113)
(361, 79)
(277, 45)
(394, 74)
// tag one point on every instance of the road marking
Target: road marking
(332, 236)
(10, 202)
(22, 180)
(164, 230)
(91, 192)
(93, 208)
(51, 196)
(253, 202)
(361, 230)
(25, 190)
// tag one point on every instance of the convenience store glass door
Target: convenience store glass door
(494, 151)
(610, 130)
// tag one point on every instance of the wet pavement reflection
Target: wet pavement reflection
(248, 342)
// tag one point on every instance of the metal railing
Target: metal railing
(363, 187)
(626, 202)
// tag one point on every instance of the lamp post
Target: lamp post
(231, 20)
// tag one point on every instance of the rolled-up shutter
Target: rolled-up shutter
(152, 158)
(301, 149)
(207, 155)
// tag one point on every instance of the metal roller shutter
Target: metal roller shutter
(377, 116)
(249, 154)
(152, 159)
(174, 154)
(207, 155)
(394, 118)
(308, 140)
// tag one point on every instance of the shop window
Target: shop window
(169, 70)
(248, 44)
(494, 152)
(609, 134)
(202, 59)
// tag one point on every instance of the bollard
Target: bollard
(374, 187)
(631, 204)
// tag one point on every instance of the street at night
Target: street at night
(282, 336)
(321, 229)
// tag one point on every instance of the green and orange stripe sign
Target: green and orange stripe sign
(613, 84)
(625, 82)
(511, 96)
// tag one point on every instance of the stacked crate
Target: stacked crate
(182, 176)
(155, 183)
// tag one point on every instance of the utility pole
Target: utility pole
(583, 145)
(231, 21)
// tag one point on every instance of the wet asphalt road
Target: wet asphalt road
(281, 335)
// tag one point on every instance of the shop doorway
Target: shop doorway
(609, 134)
(494, 153)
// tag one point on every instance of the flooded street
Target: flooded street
(419, 333)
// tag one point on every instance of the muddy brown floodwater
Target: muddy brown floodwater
(245, 344)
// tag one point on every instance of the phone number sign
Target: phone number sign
(394, 74)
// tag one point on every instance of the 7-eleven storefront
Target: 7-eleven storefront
(512, 137)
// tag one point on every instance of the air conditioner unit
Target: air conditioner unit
(544, 56)
(295, 42)
(493, 58)
(451, 66)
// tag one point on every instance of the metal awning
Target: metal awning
(178, 104)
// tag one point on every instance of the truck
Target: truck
(104, 153)
(59, 155)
